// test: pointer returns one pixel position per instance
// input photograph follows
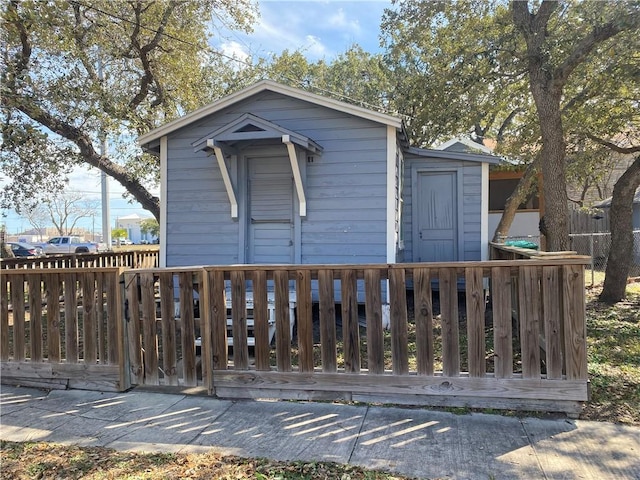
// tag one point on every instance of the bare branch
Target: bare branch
(613, 146)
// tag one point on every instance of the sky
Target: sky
(320, 29)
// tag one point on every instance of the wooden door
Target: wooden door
(437, 217)
(270, 194)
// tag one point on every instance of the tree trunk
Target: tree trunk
(556, 210)
(5, 251)
(515, 199)
(621, 220)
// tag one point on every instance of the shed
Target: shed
(636, 208)
(273, 174)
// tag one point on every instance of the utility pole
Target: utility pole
(104, 181)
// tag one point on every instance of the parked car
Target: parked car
(21, 249)
(68, 244)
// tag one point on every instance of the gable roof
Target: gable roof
(268, 85)
(461, 144)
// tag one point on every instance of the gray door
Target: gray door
(437, 217)
(270, 194)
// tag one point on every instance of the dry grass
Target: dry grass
(30, 461)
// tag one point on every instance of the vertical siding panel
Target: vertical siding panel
(17, 301)
(90, 338)
(399, 323)
(423, 307)
(239, 316)
(261, 320)
(188, 334)
(35, 316)
(219, 306)
(283, 332)
(70, 318)
(169, 339)
(133, 329)
(449, 318)
(552, 305)
(53, 282)
(574, 322)
(373, 308)
(350, 327)
(475, 322)
(304, 320)
(149, 330)
(529, 300)
(502, 327)
(327, 320)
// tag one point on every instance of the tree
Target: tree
(74, 70)
(549, 70)
(516, 72)
(151, 227)
(355, 76)
(38, 217)
(5, 249)
(64, 211)
(621, 224)
(118, 234)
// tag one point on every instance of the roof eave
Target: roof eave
(448, 155)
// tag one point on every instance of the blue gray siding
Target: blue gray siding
(345, 187)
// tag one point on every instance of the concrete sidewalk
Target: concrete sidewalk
(413, 442)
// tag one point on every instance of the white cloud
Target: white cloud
(235, 50)
(340, 21)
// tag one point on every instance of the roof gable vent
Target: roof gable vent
(249, 127)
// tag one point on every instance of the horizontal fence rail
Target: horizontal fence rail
(125, 259)
(499, 334)
(62, 328)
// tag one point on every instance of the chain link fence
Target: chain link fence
(596, 246)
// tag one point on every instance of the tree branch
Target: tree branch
(88, 152)
(148, 78)
(584, 47)
(613, 146)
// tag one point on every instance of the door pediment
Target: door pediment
(249, 127)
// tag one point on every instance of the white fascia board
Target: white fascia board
(269, 85)
(391, 194)
(484, 213)
(162, 261)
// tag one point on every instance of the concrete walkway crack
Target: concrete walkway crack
(355, 444)
(531, 442)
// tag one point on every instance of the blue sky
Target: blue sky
(321, 29)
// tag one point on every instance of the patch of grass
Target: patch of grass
(613, 349)
(41, 460)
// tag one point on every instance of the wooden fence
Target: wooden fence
(126, 259)
(500, 334)
(524, 349)
(62, 328)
